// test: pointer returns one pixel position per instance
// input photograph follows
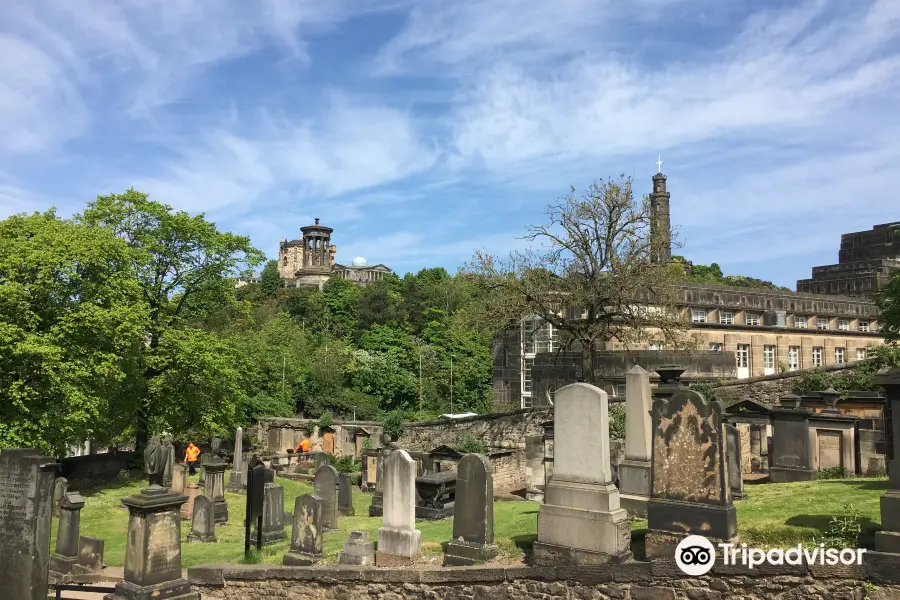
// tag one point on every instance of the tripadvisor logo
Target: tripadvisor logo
(695, 555)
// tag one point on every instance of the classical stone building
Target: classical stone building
(866, 260)
(310, 260)
(741, 333)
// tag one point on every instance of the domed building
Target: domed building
(310, 260)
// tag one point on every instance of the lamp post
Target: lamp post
(451, 383)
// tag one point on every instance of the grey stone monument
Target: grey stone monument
(534, 468)
(204, 460)
(634, 471)
(307, 532)
(345, 496)
(203, 525)
(473, 521)
(358, 550)
(26, 514)
(689, 479)
(326, 489)
(60, 487)
(168, 470)
(214, 488)
(238, 475)
(179, 478)
(187, 509)
(90, 556)
(322, 459)
(153, 549)
(733, 455)
(398, 539)
(273, 515)
(155, 458)
(67, 534)
(791, 453)
(888, 539)
(376, 507)
(581, 521)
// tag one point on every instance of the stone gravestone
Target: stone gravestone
(273, 515)
(203, 526)
(689, 478)
(236, 481)
(187, 509)
(888, 540)
(90, 556)
(634, 471)
(345, 496)
(307, 532)
(358, 550)
(60, 487)
(791, 453)
(376, 508)
(534, 468)
(169, 464)
(204, 460)
(581, 521)
(473, 520)
(179, 479)
(326, 489)
(214, 488)
(67, 534)
(398, 538)
(322, 459)
(733, 455)
(26, 514)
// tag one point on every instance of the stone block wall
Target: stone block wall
(497, 431)
(766, 389)
(635, 581)
(509, 471)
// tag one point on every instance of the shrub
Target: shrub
(617, 421)
(367, 443)
(837, 472)
(467, 444)
(705, 389)
(393, 424)
(843, 531)
(308, 428)
(325, 421)
(346, 464)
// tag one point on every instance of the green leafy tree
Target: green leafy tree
(72, 319)
(270, 280)
(888, 300)
(176, 258)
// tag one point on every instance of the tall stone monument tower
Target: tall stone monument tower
(660, 222)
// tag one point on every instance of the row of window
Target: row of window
(726, 317)
(743, 356)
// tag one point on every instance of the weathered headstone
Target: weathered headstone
(236, 482)
(690, 489)
(204, 460)
(203, 525)
(473, 520)
(376, 507)
(398, 539)
(179, 478)
(307, 532)
(733, 455)
(581, 521)
(215, 446)
(67, 534)
(187, 509)
(90, 556)
(345, 496)
(60, 487)
(322, 459)
(358, 550)
(326, 489)
(26, 513)
(534, 468)
(791, 453)
(273, 515)
(214, 488)
(888, 539)
(169, 467)
(153, 548)
(634, 471)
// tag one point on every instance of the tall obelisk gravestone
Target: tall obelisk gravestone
(634, 471)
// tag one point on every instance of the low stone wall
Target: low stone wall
(767, 388)
(94, 467)
(659, 580)
(506, 431)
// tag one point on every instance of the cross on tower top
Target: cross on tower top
(659, 164)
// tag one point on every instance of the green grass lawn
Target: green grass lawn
(772, 515)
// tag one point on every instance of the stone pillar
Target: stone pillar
(888, 540)
(67, 534)
(170, 463)
(179, 479)
(26, 513)
(326, 489)
(214, 488)
(307, 532)
(273, 515)
(204, 460)
(690, 493)
(203, 525)
(791, 456)
(398, 538)
(153, 550)
(634, 471)
(358, 550)
(581, 521)
(733, 456)
(345, 496)
(236, 479)
(473, 516)
(60, 487)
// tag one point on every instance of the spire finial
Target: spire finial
(659, 163)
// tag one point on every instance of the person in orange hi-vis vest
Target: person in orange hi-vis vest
(303, 446)
(191, 456)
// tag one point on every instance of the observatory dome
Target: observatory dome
(359, 261)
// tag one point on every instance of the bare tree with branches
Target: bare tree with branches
(591, 276)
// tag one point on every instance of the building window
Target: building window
(862, 353)
(793, 358)
(620, 390)
(863, 324)
(769, 357)
(817, 356)
(821, 323)
(800, 322)
(655, 346)
(752, 318)
(844, 324)
(715, 347)
(698, 315)
(839, 356)
(726, 317)
(743, 356)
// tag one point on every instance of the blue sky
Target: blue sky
(422, 131)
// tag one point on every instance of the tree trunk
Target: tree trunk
(587, 362)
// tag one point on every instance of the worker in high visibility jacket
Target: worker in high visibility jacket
(302, 447)
(191, 457)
